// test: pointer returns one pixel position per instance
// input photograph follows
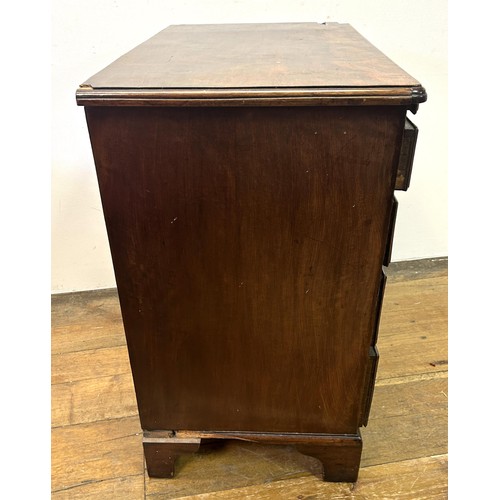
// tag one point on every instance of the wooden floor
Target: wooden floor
(96, 436)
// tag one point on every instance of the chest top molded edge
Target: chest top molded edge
(253, 65)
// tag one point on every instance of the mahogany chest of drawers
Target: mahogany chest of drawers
(247, 176)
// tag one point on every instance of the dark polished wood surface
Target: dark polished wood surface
(247, 247)
(302, 61)
(253, 55)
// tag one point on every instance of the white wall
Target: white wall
(88, 36)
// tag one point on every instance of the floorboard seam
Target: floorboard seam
(406, 379)
(124, 344)
(91, 378)
(93, 481)
(135, 415)
(441, 455)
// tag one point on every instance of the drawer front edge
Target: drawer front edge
(406, 156)
(390, 235)
(378, 310)
(369, 384)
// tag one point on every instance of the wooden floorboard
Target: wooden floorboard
(96, 435)
(423, 478)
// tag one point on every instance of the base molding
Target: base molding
(340, 454)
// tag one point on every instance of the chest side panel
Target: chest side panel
(247, 245)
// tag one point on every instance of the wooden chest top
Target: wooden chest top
(248, 64)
